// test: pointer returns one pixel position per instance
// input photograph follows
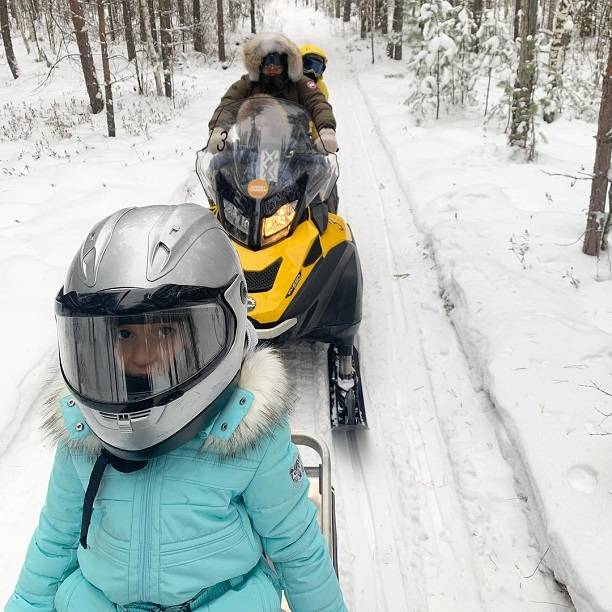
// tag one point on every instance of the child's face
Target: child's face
(147, 349)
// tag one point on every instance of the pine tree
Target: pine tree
(108, 90)
(596, 218)
(89, 70)
(220, 31)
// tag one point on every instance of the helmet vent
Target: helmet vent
(88, 266)
(160, 257)
(133, 416)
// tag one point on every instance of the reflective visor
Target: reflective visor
(128, 358)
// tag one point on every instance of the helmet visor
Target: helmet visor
(128, 358)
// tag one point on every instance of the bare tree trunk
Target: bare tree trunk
(394, 48)
(165, 27)
(181, 15)
(220, 31)
(372, 27)
(49, 22)
(337, 9)
(18, 19)
(111, 20)
(89, 70)
(363, 19)
(252, 16)
(346, 16)
(141, 23)
(586, 18)
(108, 90)
(517, 19)
(384, 17)
(157, 71)
(552, 8)
(32, 11)
(560, 41)
(522, 98)
(6, 38)
(198, 39)
(151, 9)
(596, 217)
(129, 32)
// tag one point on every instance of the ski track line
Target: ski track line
(428, 325)
(429, 452)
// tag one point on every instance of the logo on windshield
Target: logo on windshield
(258, 188)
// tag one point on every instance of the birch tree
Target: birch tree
(560, 40)
(521, 127)
(165, 26)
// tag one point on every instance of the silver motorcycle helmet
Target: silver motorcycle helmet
(151, 327)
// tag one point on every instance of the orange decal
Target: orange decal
(258, 188)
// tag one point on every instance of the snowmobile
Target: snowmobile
(268, 185)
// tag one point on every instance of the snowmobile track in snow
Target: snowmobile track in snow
(428, 516)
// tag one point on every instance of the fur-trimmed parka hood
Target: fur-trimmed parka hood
(257, 47)
(262, 375)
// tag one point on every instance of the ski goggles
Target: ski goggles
(314, 64)
(274, 59)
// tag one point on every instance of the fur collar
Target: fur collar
(262, 373)
(258, 46)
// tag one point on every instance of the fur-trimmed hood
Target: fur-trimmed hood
(262, 374)
(258, 46)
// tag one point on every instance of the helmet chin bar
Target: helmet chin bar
(182, 436)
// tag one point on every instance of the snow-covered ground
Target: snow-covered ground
(485, 329)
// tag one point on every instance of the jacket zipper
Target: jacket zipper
(145, 553)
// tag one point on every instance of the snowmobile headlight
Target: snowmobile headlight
(277, 226)
(235, 217)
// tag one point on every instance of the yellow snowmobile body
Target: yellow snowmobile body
(269, 188)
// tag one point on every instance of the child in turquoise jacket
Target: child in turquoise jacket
(175, 485)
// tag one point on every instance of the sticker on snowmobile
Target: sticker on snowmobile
(311, 84)
(297, 471)
(258, 188)
(268, 165)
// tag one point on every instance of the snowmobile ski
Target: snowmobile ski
(346, 405)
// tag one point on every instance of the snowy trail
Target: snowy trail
(427, 503)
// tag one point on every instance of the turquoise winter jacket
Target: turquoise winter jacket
(196, 517)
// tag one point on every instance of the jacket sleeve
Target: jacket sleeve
(222, 117)
(277, 502)
(52, 554)
(311, 98)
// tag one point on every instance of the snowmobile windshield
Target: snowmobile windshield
(268, 170)
(123, 359)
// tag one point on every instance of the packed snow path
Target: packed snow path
(429, 515)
